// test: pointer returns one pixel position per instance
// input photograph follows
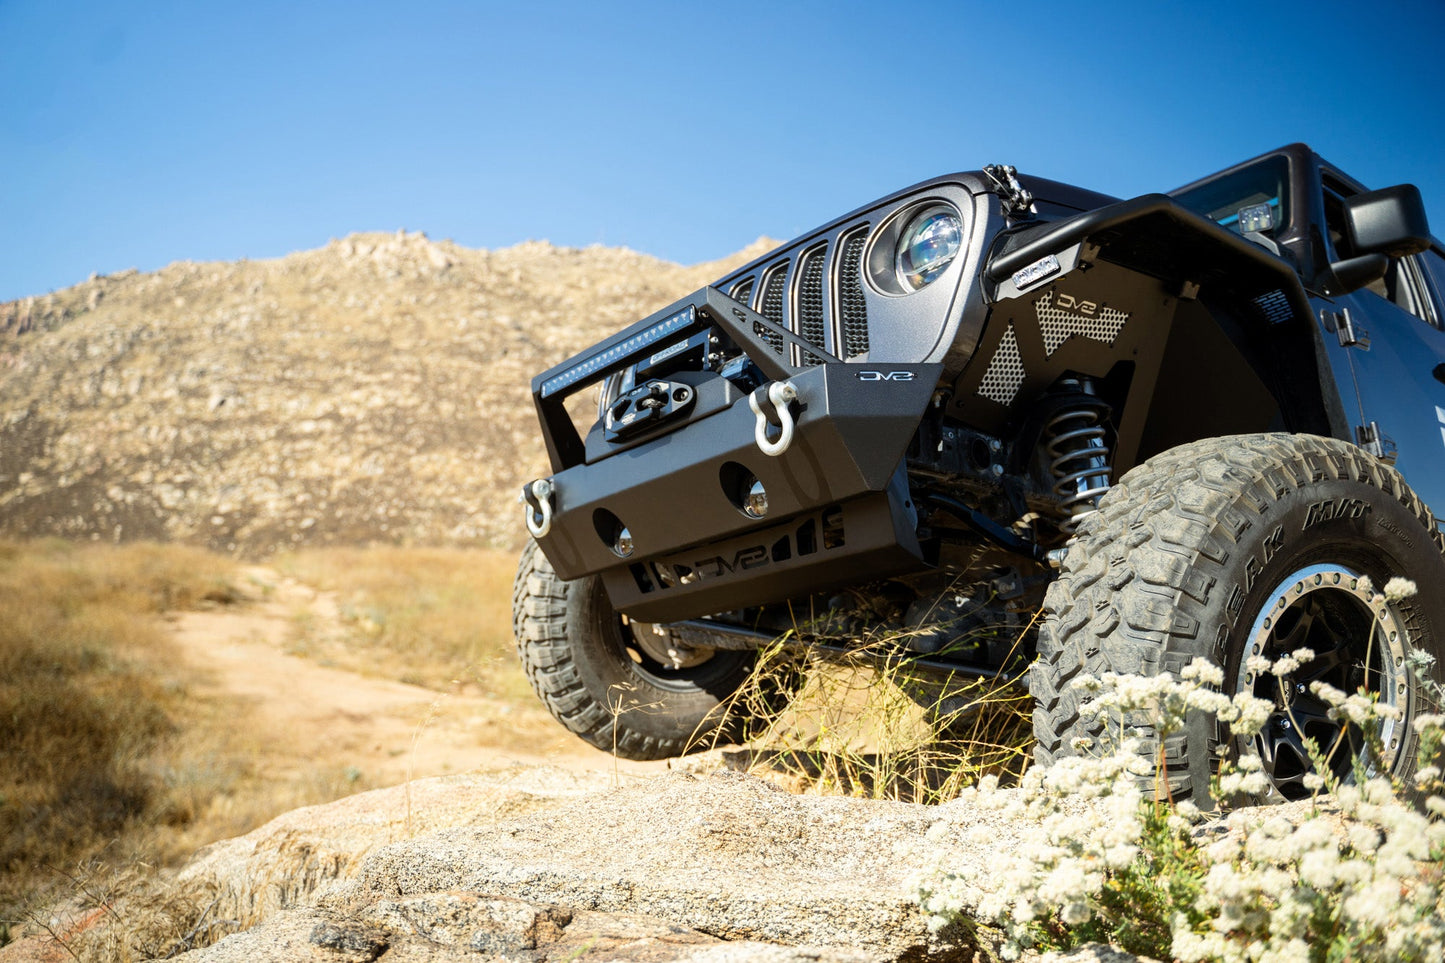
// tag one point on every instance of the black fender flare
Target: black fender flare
(1154, 235)
(1253, 294)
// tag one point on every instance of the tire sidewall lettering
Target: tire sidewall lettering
(1341, 522)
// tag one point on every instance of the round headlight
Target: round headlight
(927, 245)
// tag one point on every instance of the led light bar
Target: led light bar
(604, 359)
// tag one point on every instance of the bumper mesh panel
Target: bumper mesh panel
(1005, 374)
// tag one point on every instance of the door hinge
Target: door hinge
(1351, 335)
(1377, 443)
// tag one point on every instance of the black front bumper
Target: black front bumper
(838, 506)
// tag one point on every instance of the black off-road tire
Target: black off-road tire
(611, 693)
(1189, 547)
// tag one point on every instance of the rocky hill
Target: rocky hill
(374, 389)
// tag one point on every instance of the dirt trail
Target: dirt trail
(305, 714)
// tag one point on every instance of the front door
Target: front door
(1388, 337)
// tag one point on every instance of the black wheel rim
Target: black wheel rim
(652, 657)
(1358, 641)
(647, 659)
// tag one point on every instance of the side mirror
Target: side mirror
(1389, 222)
(1354, 273)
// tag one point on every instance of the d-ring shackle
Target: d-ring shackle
(780, 395)
(537, 498)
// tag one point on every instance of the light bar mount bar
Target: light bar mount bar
(707, 307)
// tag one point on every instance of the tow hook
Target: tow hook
(537, 497)
(771, 403)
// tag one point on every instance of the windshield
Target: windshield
(1248, 201)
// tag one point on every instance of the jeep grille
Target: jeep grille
(822, 290)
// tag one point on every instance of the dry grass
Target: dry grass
(109, 766)
(85, 700)
(864, 724)
(426, 616)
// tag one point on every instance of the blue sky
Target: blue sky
(136, 134)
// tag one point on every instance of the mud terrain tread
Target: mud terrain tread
(539, 614)
(1142, 563)
(542, 607)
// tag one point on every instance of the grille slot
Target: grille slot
(774, 296)
(743, 291)
(811, 324)
(854, 310)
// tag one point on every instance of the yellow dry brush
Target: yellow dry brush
(865, 723)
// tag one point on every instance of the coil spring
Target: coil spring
(1079, 462)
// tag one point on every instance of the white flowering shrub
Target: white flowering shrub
(1358, 882)
(1357, 876)
(1082, 824)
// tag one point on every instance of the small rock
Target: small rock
(352, 942)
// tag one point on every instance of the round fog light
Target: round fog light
(622, 545)
(755, 500)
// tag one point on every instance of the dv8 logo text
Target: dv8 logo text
(869, 374)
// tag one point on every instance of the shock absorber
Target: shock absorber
(1078, 455)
